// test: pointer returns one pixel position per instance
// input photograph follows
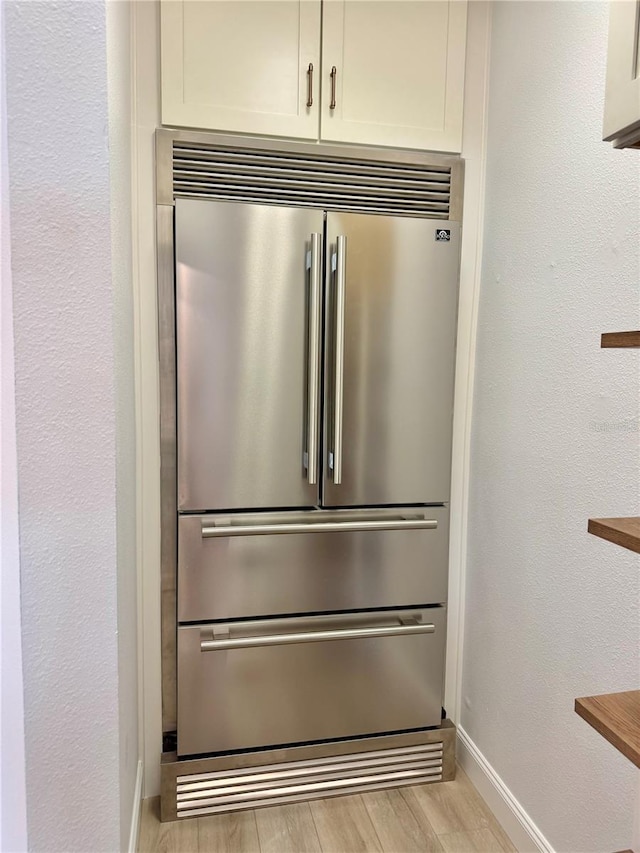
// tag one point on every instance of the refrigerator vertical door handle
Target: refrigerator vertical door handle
(313, 377)
(341, 275)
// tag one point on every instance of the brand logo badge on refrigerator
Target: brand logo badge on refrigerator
(443, 235)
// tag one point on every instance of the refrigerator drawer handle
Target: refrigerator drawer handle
(316, 637)
(313, 377)
(341, 277)
(212, 532)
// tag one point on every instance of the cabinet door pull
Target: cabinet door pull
(310, 85)
(333, 75)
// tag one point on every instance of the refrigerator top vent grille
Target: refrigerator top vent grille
(308, 180)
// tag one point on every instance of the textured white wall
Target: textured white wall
(551, 612)
(13, 811)
(74, 424)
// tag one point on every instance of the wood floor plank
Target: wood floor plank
(475, 841)
(233, 832)
(471, 794)
(344, 826)
(176, 837)
(287, 829)
(401, 825)
(501, 835)
(450, 806)
(149, 820)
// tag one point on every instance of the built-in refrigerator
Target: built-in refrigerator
(315, 367)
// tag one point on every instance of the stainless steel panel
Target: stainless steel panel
(168, 516)
(292, 693)
(400, 313)
(242, 319)
(256, 574)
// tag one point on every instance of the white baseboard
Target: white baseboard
(522, 831)
(135, 812)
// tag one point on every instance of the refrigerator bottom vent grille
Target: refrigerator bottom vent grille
(230, 790)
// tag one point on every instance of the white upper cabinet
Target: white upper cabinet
(374, 72)
(622, 98)
(394, 72)
(241, 65)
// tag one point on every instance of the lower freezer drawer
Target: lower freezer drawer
(282, 681)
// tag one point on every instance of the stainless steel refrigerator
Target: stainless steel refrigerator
(315, 369)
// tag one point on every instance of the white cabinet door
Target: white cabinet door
(241, 65)
(399, 72)
(622, 99)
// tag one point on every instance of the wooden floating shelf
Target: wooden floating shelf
(616, 716)
(620, 340)
(621, 531)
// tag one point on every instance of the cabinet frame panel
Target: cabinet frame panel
(622, 91)
(333, 128)
(175, 111)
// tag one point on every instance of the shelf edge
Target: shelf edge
(617, 530)
(620, 340)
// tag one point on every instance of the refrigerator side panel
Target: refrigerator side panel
(392, 300)
(243, 283)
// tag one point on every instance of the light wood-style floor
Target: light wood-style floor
(448, 817)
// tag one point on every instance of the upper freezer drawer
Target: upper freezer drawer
(254, 565)
(277, 681)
